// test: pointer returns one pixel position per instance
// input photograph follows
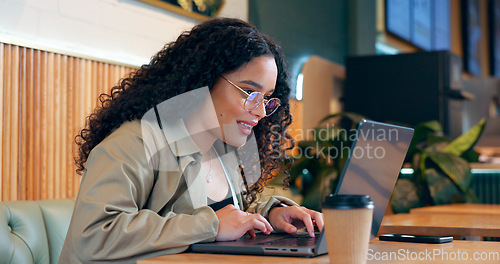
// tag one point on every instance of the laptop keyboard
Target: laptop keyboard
(295, 241)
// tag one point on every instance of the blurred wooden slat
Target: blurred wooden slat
(37, 127)
(30, 124)
(5, 124)
(62, 124)
(2, 120)
(58, 90)
(44, 83)
(10, 115)
(23, 151)
(75, 118)
(44, 99)
(51, 131)
(69, 117)
(94, 77)
(14, 140)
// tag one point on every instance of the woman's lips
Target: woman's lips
(246, 126)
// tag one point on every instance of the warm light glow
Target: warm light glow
(483, 171)
(406, 171)
(300, 81)
(385, 49)
(474, 171)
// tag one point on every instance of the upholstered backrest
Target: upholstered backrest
(33, 231)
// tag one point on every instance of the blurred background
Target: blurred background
(429, 64)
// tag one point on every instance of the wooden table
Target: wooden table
(473, 209)
(441, 224)
(454, 252)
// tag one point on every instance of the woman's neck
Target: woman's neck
(201, 135)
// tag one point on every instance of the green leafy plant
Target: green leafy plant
(442, 173)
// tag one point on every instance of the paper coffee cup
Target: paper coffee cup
(348, 222)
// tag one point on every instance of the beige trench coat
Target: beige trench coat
(134, 203)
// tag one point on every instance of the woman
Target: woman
(169, 158)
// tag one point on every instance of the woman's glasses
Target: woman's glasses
(255, 99)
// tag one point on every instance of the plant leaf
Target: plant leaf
(467, 140)
(436, 139)
(472, 197)
(433, 125)
(436, 147)
(314, 194)
(405, 196)
(423, 132)
(456, 168)
(470, 155)
(442, 190)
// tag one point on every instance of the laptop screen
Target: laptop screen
(374, 163)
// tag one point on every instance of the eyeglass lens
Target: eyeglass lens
(272, 105)
(255, 99)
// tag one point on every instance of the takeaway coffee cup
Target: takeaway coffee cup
(348, 221)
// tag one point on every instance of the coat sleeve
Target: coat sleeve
(264, 208)
(109, 221)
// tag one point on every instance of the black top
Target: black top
(221, 204)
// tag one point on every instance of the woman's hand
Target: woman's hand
(291, 218)
(234, 223)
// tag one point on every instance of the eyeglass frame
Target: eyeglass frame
(265, 101)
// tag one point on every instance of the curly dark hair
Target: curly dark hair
(197, 59)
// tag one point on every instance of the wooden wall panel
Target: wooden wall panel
(2, 134)
(44, 99)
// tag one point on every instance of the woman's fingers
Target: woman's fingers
(256, 221)
(291, 218)
(307, 220)
(287, 227)
(294, 218)
(318, 219)
(267, 226)
(255, 224)
(234, 223)
(251, 232)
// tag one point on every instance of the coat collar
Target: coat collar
(178, 138)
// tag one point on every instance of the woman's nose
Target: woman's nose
(260, 111)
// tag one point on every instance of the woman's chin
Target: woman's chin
(236, 141)
(233, 136)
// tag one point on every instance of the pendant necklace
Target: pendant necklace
(209, 176)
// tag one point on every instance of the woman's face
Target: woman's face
(236, 123)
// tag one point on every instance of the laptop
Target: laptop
(372, 168)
